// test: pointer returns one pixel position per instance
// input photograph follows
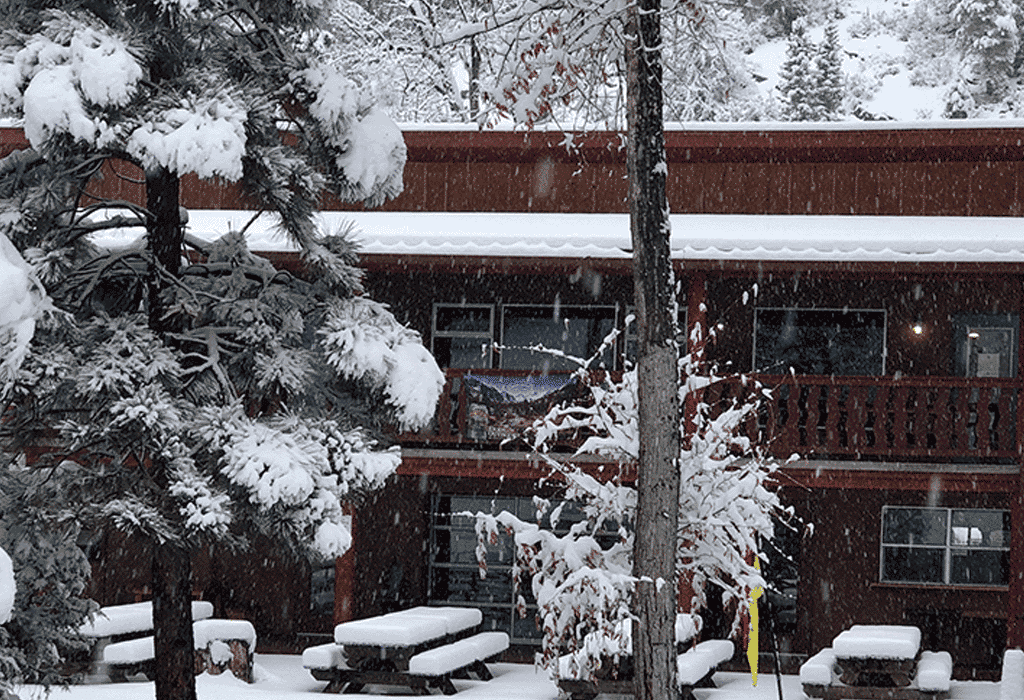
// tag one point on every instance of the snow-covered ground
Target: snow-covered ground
(281, 677)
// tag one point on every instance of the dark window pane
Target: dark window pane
(820, 341)
(912, 564)
(526, 627)
(466, 586)
(983, 568)
(463, 353)
(577, 332)
(462, 319)
(914, 526)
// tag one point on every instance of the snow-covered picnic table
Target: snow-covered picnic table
(604, 663)
(420, 648)
(877, 661)
(133, 619)
(124, 642)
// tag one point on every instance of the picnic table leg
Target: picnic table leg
(444, 683)
(335, 685)
(481, 671)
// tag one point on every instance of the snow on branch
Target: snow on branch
(582, 580)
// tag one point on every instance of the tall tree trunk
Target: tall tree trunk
(654, 556)
(163, 226)
(173, 662)
(174, 656)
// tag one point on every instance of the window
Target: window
(819, 341)
(986, 345)
(960, 547)
(462, 335)
(454, 577)
(577, 331)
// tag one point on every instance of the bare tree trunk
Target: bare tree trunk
(174, 657)
(173, 663)
(654, 556)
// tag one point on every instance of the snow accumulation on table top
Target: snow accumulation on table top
(878, 642)
(407, 627)
(134, 617)
(606, 236)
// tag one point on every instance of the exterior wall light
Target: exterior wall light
(917, 328)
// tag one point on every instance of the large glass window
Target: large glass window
(966, 547)
(819, 341)
(455, 575)
(577, 331)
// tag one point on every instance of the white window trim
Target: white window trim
(947, 548)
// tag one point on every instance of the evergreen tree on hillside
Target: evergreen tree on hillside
(986, 35)
(830, 73)
(197, 402)
(800, 78)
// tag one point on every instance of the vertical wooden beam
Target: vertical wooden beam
(696, 337)
(696, 334)
(1015, 604)
(345, 574)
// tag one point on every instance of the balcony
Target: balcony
(939, 419)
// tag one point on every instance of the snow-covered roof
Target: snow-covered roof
(694, 236)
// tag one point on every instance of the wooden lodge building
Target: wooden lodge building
(889, 274)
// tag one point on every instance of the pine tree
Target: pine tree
(799, 79)
(192, 403)
(959, 102)
(39, 529)
(987, 37)
(830, 73)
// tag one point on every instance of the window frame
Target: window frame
(487, 338)
(884, 355)
(948, 548)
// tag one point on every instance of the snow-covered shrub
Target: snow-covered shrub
(726, 505)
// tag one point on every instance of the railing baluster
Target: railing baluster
(832, 445)
(942, 426)
(791, 428)
(900, 419)
(856, 419)
(813, 416)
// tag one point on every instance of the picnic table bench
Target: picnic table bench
(123, 643)
(695, 666)
(877, 662)
(420, 648)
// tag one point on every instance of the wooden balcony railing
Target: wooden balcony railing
(942, 419)
(932, 418)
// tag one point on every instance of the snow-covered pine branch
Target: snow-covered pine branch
(127, 379)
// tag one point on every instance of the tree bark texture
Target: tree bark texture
(163, 227)
(174, 656)
(654, 556)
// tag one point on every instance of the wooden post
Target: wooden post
(696, 320)
(1015, 604)
(345, 574)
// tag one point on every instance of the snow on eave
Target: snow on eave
(708, 237)
(766, 126)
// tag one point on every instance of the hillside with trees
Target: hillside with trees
(902, 60)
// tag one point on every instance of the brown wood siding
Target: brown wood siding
(924, 172)
(839, 572)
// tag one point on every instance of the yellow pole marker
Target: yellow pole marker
(752, 639)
